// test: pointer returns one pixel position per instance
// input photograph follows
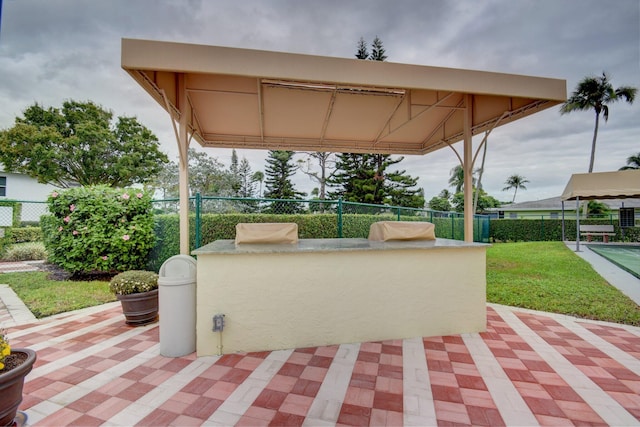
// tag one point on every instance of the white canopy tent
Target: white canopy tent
(599, 186)
(240, 98)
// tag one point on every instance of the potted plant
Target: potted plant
(15, 364)
(137, 291)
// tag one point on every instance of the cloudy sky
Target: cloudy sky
(54, 50)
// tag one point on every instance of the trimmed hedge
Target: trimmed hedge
(536, 230)
(315, 226)
(23, 234)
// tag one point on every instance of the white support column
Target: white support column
(467, 166)
(183, 147)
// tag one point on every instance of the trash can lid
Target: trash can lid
(179, 266)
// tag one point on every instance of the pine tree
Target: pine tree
(364, 178)
(377, 50)
(236, 179)
(362, 52)
(247, 184)
(278, 173)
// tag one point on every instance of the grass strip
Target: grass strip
(46, 297)
(548, 276)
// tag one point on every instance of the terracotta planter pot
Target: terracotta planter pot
(11, 383)
(140, 309)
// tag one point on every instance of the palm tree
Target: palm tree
(457, 178)
(633, 162)
(515, 181)
(258, 176)
(596, 93)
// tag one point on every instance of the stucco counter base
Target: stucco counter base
(334, 291)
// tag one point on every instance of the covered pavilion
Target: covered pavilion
(239, 98)
(624, 184)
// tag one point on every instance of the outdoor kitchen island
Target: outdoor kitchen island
(320, 292)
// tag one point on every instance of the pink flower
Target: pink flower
(72, 208)
(104, 257)
(125, 237)
(139, 195)
(125, 196)
(60, 228)
(75, 232)
(54, 194)
(67, 218)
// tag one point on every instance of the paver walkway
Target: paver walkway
(529, 368)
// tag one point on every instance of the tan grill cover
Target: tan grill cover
(402, 230)
(281, 232)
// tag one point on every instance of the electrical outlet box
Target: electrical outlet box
(218, 323)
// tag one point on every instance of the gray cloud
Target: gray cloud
(56, 50)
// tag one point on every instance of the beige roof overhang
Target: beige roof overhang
(603, 185)
(241, 98)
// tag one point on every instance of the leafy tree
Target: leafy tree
(325, 161)
(597, 209)
(207, 175)
(633, 162)
(515, 181)
(485, 201)
(80, 143)
(596, 93)
(438, 203)
(278, 171)
(441, 202)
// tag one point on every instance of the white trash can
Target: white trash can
(177, 306)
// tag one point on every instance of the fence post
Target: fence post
(453, 225)
(398, 214)
(340, 217)
(198, 206)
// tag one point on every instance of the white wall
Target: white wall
(24, 188)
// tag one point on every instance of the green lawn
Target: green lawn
(548, 276)
(543, 276)
(47, 297)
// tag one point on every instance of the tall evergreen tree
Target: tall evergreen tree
(234, 170)
(362, 52)
(247, 184)
(377, 50)
(278, 172)
(365, 178)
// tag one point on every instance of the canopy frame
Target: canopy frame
(241, 98)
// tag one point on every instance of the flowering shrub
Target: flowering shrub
(98, 229)
(133, 282)
(5, 348)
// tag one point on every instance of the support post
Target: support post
(577, 224)
(467, 166)
(183, 148)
